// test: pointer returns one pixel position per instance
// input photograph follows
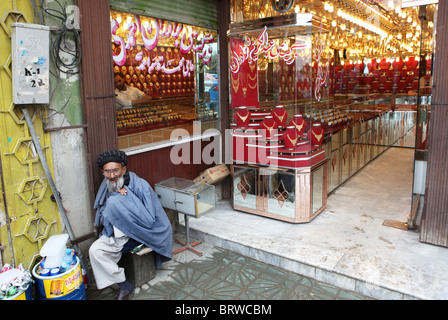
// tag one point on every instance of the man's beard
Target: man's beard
(113, 187)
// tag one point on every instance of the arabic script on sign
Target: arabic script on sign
(150, 36)
(251, 49)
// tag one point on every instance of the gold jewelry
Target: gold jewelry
(252, 67)
(291, 140)
(268, 128)
(299, 127)
(254, 78)
(235, 84)
(242, 118)
(318, 137)
(254, 86)
(280, 117)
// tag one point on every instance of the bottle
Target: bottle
(68, 260)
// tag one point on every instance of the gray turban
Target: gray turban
(112, 156)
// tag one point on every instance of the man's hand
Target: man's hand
(143, 101)
(122, 191)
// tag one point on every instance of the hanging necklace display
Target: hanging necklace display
(280, 115)
(242, 117)
(235, 83)
(268, 126)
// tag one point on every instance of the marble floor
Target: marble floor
(347, 245)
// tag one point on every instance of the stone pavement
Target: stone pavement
(220, 274)
(348, 245)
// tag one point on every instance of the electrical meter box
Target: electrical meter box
(30, 46)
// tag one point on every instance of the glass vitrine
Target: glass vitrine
(185, 196)
(293, 195)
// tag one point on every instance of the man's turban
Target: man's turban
(112, 156)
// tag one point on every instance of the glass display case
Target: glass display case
(279, 72)
(191, 198)
(288, 111)
(185, 196)
(279, 75)
(293, 195)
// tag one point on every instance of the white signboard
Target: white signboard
(30, 46)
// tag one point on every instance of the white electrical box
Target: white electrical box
(30, 46)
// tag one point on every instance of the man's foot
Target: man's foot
(126, 290)
(124, 295)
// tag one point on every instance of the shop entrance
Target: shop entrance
(358, 73)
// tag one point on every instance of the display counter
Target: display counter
(297, 110)
(157, 120)
(293, 195)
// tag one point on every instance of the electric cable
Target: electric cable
(65, 51)
(61, 43)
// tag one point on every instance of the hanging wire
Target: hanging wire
(67, 41)
(63, 42)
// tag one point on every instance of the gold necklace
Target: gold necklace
(280, 118)
(252, 87)
(291, 140)
(318, 137)
(254, 78)
(299, 127)
(267, 127)
(252, 67)
(242, 118)
(235, 84)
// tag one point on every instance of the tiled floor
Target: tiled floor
(224, 275)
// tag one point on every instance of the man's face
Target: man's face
(114, 172)
(119, 82)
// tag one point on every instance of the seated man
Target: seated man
(128, 210)
(127, 96)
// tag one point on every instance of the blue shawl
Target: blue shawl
(138, 214)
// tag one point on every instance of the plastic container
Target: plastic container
(65, 286)
(21, 294)
(54, 250)
(26, 294)
(68, 260)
